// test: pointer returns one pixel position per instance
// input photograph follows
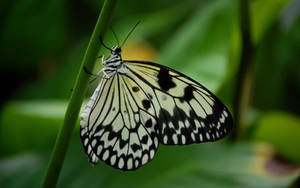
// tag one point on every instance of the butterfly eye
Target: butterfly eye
(118, 50)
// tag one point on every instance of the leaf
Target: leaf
(30, 125)
(282, 130)
(202, 165)
(59, 84)
(32, 30)
(263, 15)
(199, 48)
(154, 26)
(279, 51)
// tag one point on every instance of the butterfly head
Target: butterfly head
(116, 50)
(115, 59)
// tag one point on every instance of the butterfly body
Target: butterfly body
(139, 105)
(114, 62)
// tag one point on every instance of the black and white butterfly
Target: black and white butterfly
(139, 105)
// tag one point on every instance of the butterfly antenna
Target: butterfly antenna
(115, 35)
(130, 32)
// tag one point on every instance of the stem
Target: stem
(71, 115)
(245, 73)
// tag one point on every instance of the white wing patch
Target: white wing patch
(143, 105)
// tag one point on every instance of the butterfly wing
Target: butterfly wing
(115, 126)
(186, 111)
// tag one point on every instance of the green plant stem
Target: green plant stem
(65, 132)
(245, 73)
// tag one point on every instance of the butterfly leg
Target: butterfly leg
(103, 71)
(108, 72)
(102, 59)
(88, 72)
(96, 76)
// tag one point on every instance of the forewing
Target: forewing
(186, 111)
(116, 128)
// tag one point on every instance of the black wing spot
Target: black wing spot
(165, 79)
(144, 139)
(113, 109)
(148, 123)
(146, 103)
(135, 147)
(122, 143)
(188, 94)
(111, 135)
(135, 89)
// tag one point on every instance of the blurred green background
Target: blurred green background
(42, 45)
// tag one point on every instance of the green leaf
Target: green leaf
(154, 27)
(32, 30)
(30, 125)
(282, 130)
(57, 85)
(199, 48)
(278, 52)
(263, 14)
(202, 165)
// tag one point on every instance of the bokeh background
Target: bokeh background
(42, 45)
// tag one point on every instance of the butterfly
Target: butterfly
(139, 105)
